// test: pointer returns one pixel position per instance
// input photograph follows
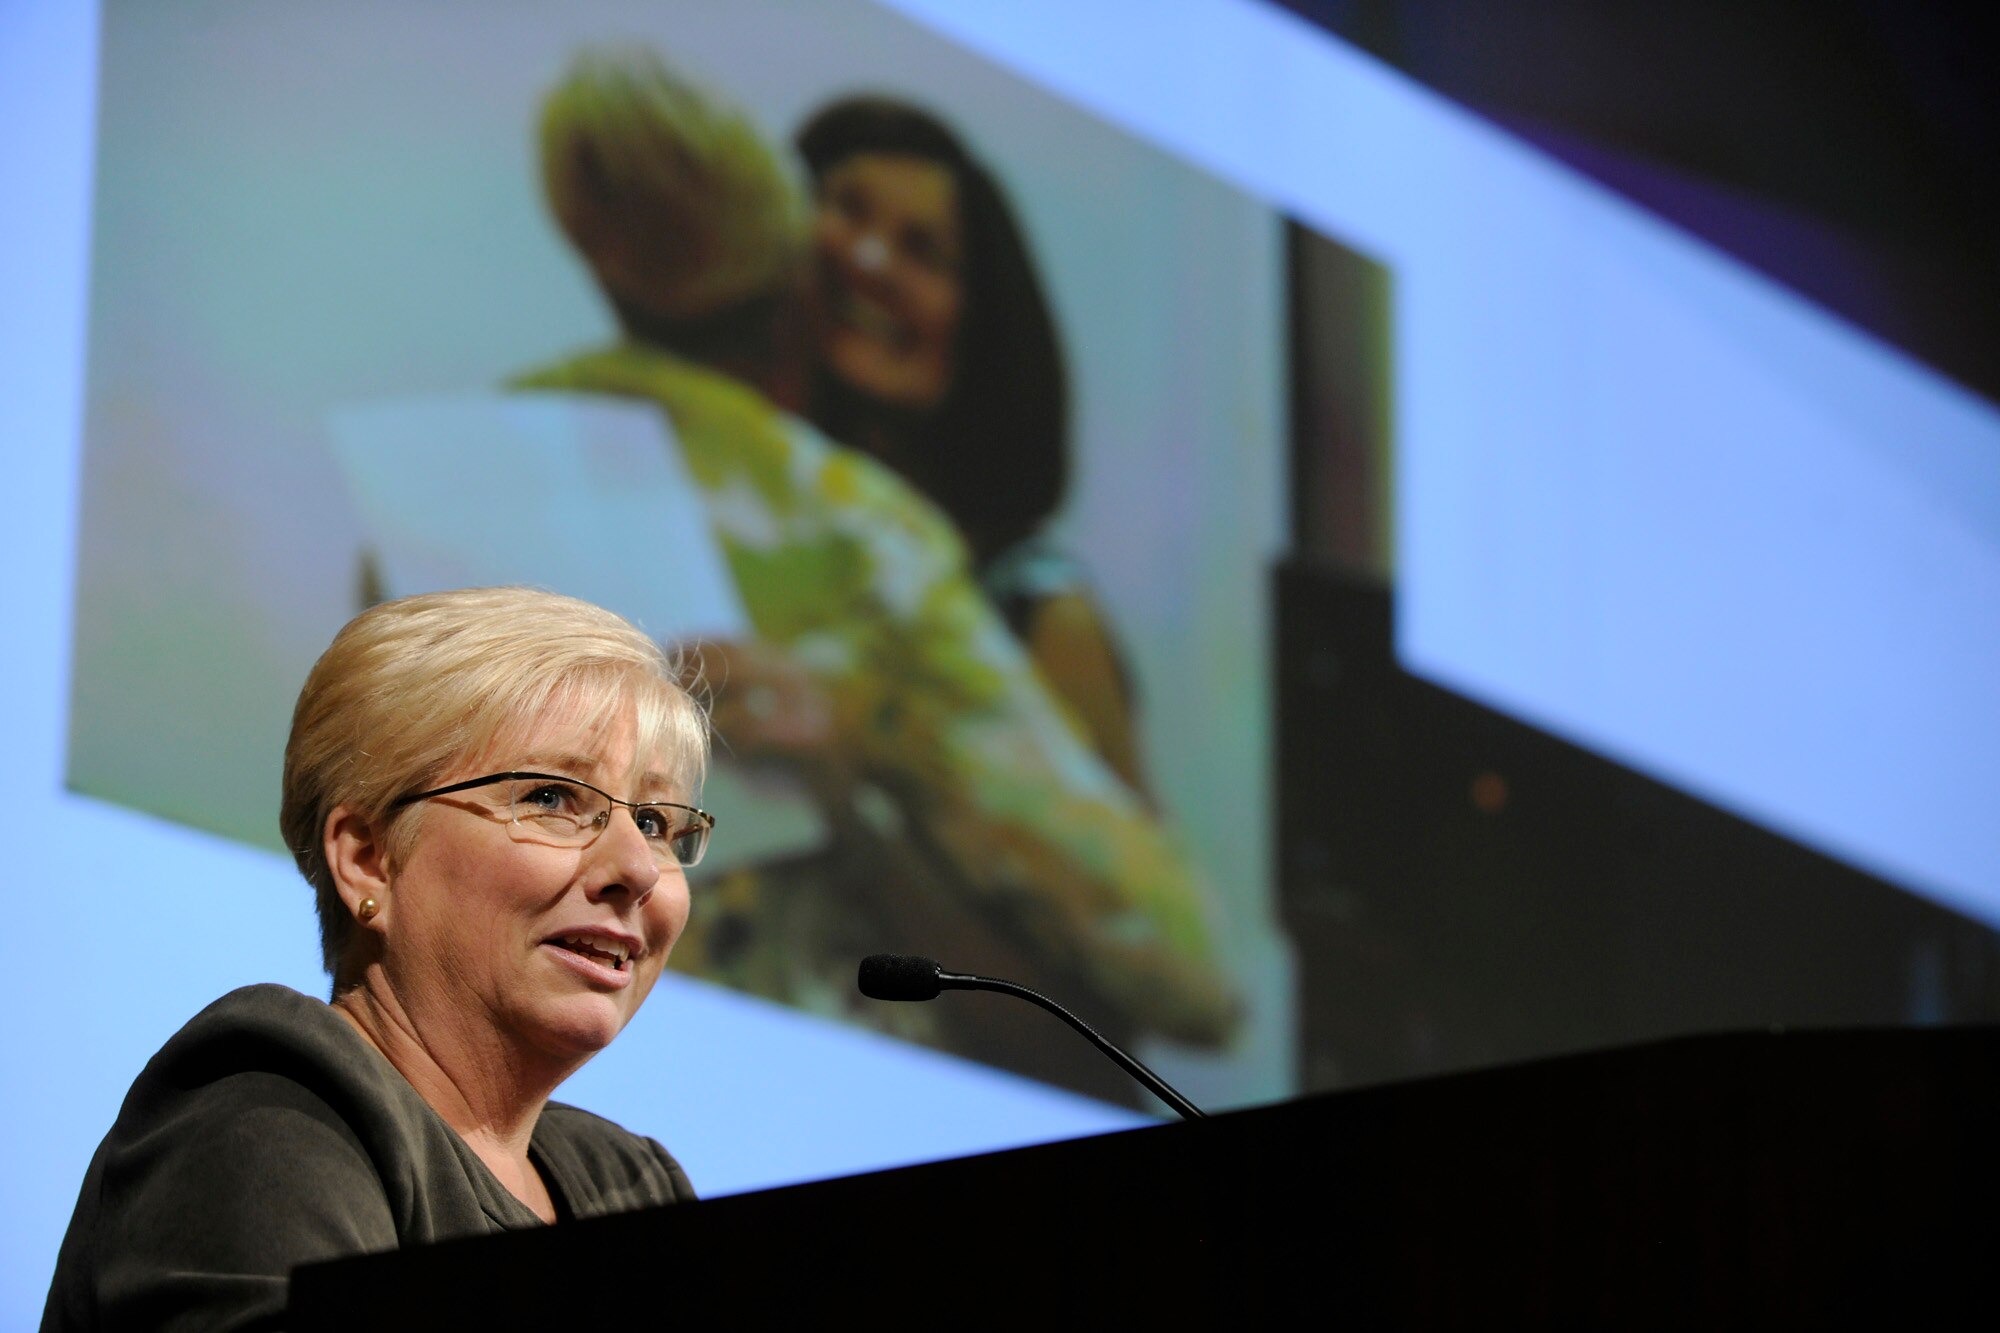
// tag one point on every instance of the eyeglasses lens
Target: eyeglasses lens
(571, 814)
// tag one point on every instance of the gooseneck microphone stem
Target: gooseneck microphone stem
(888, 976)
(1153, 1082)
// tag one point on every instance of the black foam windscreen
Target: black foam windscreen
(895, 976)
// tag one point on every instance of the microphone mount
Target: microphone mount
(907, 977)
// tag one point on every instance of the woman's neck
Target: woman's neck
(489, 1094)
(891, 435)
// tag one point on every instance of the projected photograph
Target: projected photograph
(944, 426)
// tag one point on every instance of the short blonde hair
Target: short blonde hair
(675, 200)
(411, 688)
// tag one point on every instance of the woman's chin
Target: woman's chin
(881, 373)
(575, 1027)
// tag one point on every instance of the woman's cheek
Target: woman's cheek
(671, 905)
(833, 239)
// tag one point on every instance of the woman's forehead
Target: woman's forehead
(606, 750)
(918, 182)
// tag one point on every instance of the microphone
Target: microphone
(894, 976)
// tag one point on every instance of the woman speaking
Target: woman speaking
(491, 794)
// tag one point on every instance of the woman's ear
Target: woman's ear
(358, 855)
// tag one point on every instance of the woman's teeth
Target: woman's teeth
(605, 951)
(865, 316)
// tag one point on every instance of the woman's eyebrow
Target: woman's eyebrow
(569, 765)
(572, 764)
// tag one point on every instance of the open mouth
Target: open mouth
(866, 317)
(609, 953)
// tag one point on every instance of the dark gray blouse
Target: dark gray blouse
(267, 1134)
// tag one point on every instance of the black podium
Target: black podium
(1726, 1180)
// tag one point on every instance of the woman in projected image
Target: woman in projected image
(937, 355)
(966, 816)
(490, 792)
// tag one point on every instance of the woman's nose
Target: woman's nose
(870, 253)
(633, 868)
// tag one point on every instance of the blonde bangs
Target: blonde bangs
(602, 702)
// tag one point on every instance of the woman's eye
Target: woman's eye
(928, 252)
(850, 203)
(653, 823)
(551, 798)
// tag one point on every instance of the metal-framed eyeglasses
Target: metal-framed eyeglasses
(568, 812)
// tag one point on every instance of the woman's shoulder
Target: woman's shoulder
(269, 1064)
(602, 1167)
(311, 1104)
(728, 431)
(874, 497)
(265, 1015)
(1030, 575)
(1036, 567)
(266, 1034)
(245, 1120)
